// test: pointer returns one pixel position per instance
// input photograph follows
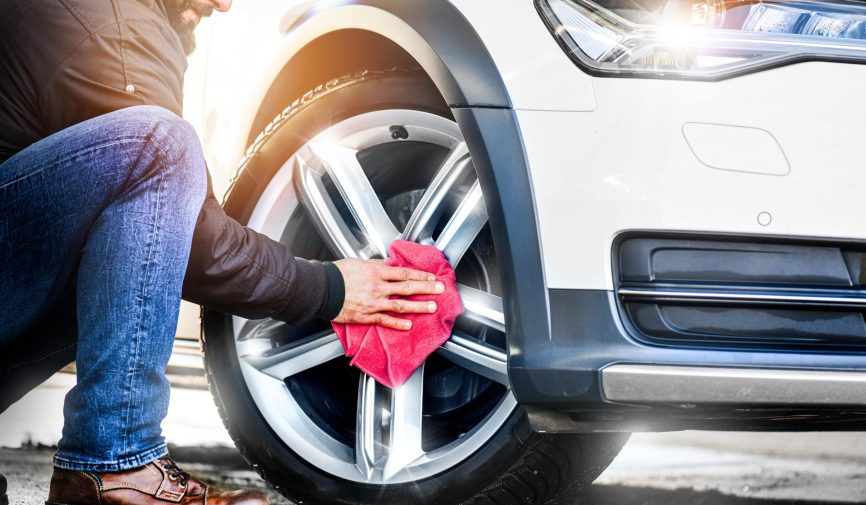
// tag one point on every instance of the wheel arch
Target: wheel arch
(380, 33)
(314, 63)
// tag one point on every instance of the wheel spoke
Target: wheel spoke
(297, 357)
(368, 438)
(402, 418)
(461, 230)
(260, 329)
(482, 307)
(342, 165)
(430, 208)
(322, 212)
(404, 445)
(483, 359)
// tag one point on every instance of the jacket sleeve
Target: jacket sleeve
(239, 271)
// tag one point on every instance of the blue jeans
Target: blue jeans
(96, 223)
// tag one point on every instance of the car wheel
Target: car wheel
(341, 172)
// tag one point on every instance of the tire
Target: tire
(294, 407)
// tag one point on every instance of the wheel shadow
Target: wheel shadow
(625, 495)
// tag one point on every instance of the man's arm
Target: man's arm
(237, 270)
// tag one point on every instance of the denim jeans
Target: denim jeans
(96, 223)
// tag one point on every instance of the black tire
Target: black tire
(514, 466)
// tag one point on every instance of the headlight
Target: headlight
(704, 39)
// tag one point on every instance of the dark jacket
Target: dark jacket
(66, 61)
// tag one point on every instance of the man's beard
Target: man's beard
(186, 27)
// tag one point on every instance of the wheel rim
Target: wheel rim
(391, 441)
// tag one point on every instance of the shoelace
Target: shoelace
(176, 472)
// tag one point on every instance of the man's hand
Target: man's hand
(370, 284)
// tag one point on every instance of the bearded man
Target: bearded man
(107, 218)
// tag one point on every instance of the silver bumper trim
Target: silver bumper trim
(742, 386)
(835, 299)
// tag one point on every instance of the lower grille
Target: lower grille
(736, 294)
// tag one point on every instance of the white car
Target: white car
(655, 210)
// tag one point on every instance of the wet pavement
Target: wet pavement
(687, 468)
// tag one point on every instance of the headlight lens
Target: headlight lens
(704, 39)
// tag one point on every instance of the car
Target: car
(654, 209)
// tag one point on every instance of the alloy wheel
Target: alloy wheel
(349, 184)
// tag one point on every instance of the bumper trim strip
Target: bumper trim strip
(742, 297)
(742, 386)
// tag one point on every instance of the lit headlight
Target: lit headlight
(704, 39)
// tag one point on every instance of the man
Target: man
(107, 217)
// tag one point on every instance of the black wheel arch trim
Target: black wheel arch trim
(497, 151)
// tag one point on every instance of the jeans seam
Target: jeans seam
(162, 158)
(152, 246)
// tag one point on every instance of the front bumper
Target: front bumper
(591, 375)
(776, 154)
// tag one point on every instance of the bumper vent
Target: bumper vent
(749, 295)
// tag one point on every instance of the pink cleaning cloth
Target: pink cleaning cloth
(391, 356)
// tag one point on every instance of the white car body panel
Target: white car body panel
(627, 165)
(606, 155)
(538, 75)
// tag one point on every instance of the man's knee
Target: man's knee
(169, 132)
(177, 143)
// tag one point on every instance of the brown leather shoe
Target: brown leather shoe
(157, 483)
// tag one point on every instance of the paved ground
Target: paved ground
(686, 476)
(737, 468)
(689, 468)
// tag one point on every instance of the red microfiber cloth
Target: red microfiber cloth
(391, 356)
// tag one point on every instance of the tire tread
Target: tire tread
(310, 96)
(537, 477)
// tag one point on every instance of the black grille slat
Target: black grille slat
(731, 262)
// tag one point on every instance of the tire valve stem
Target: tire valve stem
(399, 133)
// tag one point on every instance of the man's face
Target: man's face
(185, 15)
